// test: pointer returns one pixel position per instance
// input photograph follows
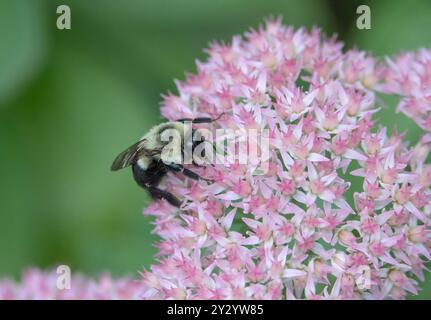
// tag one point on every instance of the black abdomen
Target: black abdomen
(150, 176)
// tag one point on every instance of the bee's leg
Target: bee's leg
(157, 193)
(188, 173)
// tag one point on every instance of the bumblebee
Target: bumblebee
(150, 161)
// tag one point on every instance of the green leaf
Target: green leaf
(59, 201)
(23, 42)
(203, 16)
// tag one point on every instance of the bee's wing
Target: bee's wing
(125, 158)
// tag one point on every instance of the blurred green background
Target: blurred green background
(70, 100)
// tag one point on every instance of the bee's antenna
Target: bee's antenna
(202, 119)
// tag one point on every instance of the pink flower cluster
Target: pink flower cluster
(41, 285)
(409, 75)
(299, 231)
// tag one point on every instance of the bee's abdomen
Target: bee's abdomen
(150, 176)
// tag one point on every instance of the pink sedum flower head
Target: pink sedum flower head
(298, 231)
(41, 285)
(409, 75)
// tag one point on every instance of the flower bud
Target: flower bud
(419, 234)
(347, 238)
(398, 278)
